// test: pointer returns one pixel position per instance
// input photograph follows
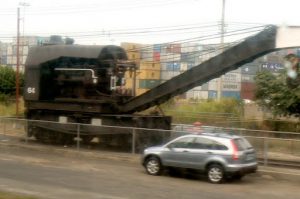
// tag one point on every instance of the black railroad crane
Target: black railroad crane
(84, 84)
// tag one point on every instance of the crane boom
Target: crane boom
(270, 39)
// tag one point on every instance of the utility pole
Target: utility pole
(18, 62)
(220, 83)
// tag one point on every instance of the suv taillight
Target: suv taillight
(235, 155)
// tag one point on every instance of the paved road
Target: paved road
(50, 175)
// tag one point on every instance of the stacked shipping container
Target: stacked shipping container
(161, 62)
(148, 59)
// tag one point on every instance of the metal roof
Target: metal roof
(41, 54)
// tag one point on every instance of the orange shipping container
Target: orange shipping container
(248, 90)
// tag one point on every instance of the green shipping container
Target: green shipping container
(149, 83)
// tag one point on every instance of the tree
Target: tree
(8, 80)
(273, 92)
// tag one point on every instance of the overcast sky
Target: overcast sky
(103, 17)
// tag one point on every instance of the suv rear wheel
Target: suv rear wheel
(153, 166)
(215, 173)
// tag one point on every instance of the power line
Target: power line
(98, 8)
(164, 30)
(213, 36)
(136, 30)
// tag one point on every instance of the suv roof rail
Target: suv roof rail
(219, 134)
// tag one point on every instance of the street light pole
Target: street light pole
(18, 62)
(220, 83)
(223, 24)
(24, 5)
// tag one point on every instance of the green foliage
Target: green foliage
(278, 125)
(272, 92)
(4, 98)
(8, 82)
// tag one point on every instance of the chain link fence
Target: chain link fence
(270, 145)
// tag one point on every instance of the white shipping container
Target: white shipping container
(25, 50)
(9, 60)
(163, 49)
(248, 78)
(200, 95)
(169, 57)
(9, 50)
(199, 88)
(23, 59)
(190, 94)
(14, 60)
(163, 66)
(147, 56)
(166, 75)
(231, 86)
(203, 94)
(213, 85)
(183, 66)
(231, 77)
(146, 48)
(189, 47)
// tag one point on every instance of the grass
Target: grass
(6, 195)
(10, 109)
(208, 112)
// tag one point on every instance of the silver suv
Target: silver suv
(219, 155)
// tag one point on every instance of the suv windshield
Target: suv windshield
(242, 144)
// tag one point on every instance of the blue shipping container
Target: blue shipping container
(231, 94)
(157, 47)
(212, 94)
(298, 52)
(173, 66)
(273, 67)
(188, 57)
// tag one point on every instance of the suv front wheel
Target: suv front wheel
(153, 166)
(215, 173)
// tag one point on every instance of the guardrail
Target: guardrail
(271, 146)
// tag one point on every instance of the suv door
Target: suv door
(176, 153)
(202, 150)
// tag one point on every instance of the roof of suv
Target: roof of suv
(219, 135)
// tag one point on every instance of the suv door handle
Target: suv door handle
(185, 151)
(209, 152)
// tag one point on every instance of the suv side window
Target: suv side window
(182, 143)
(219, 146)
(205, 143)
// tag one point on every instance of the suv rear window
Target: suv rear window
(242, 144)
